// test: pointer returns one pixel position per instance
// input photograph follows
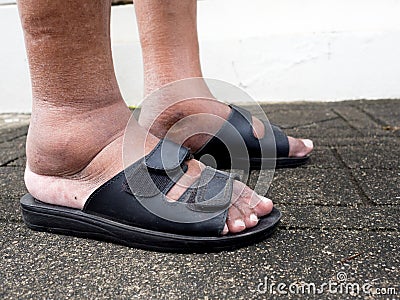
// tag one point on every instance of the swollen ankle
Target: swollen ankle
(64, 143)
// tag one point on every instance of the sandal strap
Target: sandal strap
(158, 171)
(211, 193)
(167, 156)
(265, 145)
(236, 135)
(281, 141)
(136, 196)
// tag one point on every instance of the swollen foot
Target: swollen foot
(193, 122)
(65, 166)
(70, 153)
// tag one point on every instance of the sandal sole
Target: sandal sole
(40, 216)
(260, 163)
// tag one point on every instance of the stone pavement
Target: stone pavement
(340, 225)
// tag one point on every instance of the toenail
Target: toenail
(308, 143)
(253, 218)
(266, 200)
(239, 223)
(226, 229)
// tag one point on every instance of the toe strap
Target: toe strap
(281, 141)
(236, 139)
(211, 193)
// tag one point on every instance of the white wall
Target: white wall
(284, 50)
(305, 49)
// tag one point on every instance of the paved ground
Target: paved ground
(340, 224)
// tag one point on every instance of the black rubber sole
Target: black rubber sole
(291, 162)
(258, 163)
(67, 221)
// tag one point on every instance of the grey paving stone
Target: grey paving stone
(388, 112)
(329, 130)
(323, 157)
(17, 142)
(313, 186)
(12, 187)
(381, 131)
(381, 156)
(12, 150)
(305, 105)
(10, 155)
(330, 217)
(41, 265)
(287, 117)
(355, 141)
(381, 186)
(335, 219)
(295, 118)
(8, 134)
(356, 118)
(339, 136)
(19, 162)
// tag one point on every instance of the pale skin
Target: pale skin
(75, 138)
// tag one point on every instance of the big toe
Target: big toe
(300, 147)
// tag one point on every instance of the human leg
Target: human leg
(75, 138)
(168, 34)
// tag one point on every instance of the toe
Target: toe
(308, 143)
(248, 215)
(300, 147)
(235, 220)
(264, 206)
(251, 220)
(260, 205)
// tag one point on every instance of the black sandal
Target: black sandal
(131, 209)
(235, 146)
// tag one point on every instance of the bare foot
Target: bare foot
(69, 156)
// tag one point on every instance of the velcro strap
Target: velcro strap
(167, 156)
(243, 112)
(158, 171)
(213, 191)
